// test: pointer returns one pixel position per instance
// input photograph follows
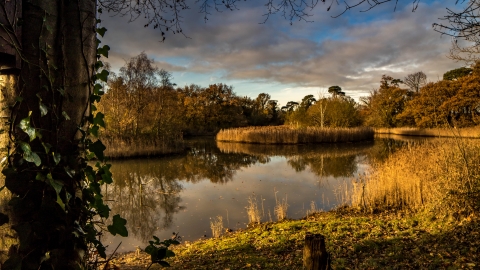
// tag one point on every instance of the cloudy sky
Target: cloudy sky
(291, 61)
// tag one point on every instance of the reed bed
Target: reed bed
(442, 176)
(122, 148)
(469, 132)
(292, 135)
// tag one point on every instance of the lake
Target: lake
(183, 193)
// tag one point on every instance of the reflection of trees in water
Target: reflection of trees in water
(337, 160)
(147, 192)
(385, 145)
(205, 161)
(322, 165)
(146, 201)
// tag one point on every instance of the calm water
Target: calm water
(184, 192)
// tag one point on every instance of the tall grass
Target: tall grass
(443, 176)
(252, 210)
(468, 132)
(281, 208)
(217, 226)
(292, 135)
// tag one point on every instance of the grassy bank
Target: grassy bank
(354, 240)
(292, 135)
(470, 132)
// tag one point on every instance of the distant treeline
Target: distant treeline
(142, 104)
(409, 102)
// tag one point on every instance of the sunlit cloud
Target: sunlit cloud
(352, 51)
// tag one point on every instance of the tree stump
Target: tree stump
(315, 255)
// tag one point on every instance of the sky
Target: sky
(290, 61)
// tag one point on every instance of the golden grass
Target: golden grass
(442, 175)
(217, 226)
(292, 135)
(469, 132)
(281, 208)
(252, 210)
(122, 148)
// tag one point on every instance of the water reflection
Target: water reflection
(182, 193)
(323, 160)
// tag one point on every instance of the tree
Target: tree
(457, 73)
(297, 113)
(384, 104)
(336, 91)
(342, 112)
(415, 81)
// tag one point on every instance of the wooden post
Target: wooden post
(315, 255)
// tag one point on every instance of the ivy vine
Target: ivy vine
(57, 201)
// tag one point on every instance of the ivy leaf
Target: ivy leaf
(56, 157)
(103, 209)
(40, 177)
(101, 31)
(107, 175)
(164, 263)
(47, 147)
(103, 50)
(43, 109)
(103, 76)
(94, 131)
(98, 65)
(57, 185)
(101, 250)
(28, 155)
(98, 120)
(118, 226)
(97, 148)
(33, 157)
(27, 128)
(3, 219)
(94, 98)
(25, 147)
(97, 88)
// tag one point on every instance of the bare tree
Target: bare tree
(415, 81)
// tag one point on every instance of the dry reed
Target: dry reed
(292, 135)
(122, 148)
(313, 209)
(217, 226)
(469, 132)
(252, 210)
(281, 208)
(443, 176)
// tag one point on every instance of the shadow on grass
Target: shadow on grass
(458, 248)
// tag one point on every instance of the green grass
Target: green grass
(355, 241)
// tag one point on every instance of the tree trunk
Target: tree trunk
(58, 53)
(315, 255)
